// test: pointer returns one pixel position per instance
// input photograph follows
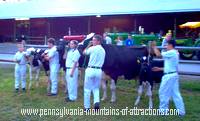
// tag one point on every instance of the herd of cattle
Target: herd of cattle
(130, 62)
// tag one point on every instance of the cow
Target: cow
(35, 62)
(119, 61)
(147, 77)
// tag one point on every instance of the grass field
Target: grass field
(11, 103)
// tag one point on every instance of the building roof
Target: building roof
(64, 8)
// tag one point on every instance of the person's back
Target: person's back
(55, 56)
(97, 56)
(93, 73)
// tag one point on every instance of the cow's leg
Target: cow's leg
(65, 82)
(30, 77)
(140, 90)
(104, 87)
(48, 82)
(37, 76)
(149, 94)
(113, 90)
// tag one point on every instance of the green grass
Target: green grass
(11, 103)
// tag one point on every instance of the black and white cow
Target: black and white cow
(36, 62)
(119, 61)
(147, 77)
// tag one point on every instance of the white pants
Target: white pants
(20, 74)
(92, 84)
(54, 78)
(72, 83)
(169, 87)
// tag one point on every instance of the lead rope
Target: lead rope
(149, 49)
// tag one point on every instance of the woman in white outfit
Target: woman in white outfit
(72, 57)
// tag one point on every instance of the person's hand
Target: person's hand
(18, 61)
(156, 69)
(43, 54)
(90, 44)
(71, 74)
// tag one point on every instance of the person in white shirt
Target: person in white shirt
(93, 73)
(169, 86)
(107, 39)
(72, 57)
(53, 58)
(20, 68)
(119, 41)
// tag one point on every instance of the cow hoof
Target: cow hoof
(113, 101)
(103, 98)
(150, 105)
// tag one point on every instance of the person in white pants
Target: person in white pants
(93, 73)
(53, 58)
(169, 86)
(20, 68)
(72, 57)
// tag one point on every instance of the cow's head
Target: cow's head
(143, 61)
(30, 52)
(83, 61)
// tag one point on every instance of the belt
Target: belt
(70, 67)
(94, 67)
(170, 72)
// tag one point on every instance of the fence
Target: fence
(37, 40)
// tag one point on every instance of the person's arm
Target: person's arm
(73, 69)
(169, 54)
(158, 54)
(86, 51)
(15, 59)
(49, 55)
(75, 59)
(163, 43)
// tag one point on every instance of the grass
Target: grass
(11, 103)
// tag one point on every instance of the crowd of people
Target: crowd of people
(169, 86)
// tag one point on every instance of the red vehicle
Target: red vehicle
(79, 38)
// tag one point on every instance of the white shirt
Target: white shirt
(108, 40)
(20, 56)
(53, 54)
(171, 60)
(72, 57)
(119, 43)
(97, 56)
